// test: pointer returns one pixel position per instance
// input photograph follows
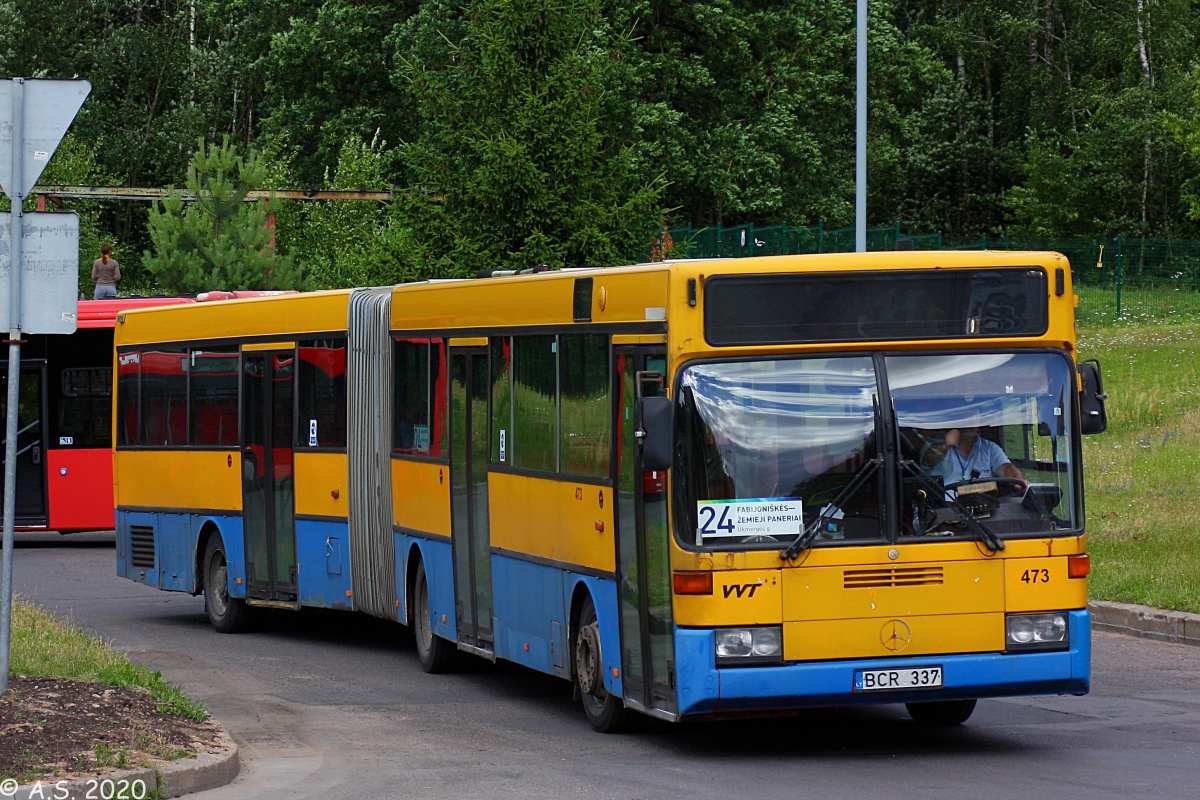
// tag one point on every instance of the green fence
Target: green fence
(1118, 280)
(772, 240)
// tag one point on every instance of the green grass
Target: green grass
(43, 646)
(1143, 492)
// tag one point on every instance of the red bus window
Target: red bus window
(322, 388)
(128, 370)
(213, 383)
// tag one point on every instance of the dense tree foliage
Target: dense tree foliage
(517, 164)
(561, 131)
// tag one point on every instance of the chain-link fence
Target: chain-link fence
(1120, 279)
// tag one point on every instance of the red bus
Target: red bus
(64, 421)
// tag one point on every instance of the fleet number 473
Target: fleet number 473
(1036, 576)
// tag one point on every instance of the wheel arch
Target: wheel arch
(414, 558)
(603, 596)
(208, 529)
(234, 554)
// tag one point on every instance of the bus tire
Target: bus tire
(227, 614)
(941, 713)
(604, 712)
(436, 654)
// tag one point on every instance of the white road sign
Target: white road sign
(49, 272)
(50, 107)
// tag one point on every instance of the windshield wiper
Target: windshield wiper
(981, 531)
(806, 537)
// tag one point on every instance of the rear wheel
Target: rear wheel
(942, 713)
(227, 614)
(435, 653)
(604, 712)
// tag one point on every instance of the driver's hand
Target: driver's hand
(952, 437)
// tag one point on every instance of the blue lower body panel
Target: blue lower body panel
(528, 618)
(174, 563)
(323, 564)
(704, 689)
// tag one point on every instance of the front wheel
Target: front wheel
(605, 713)
(227, 614)
(435, 653)
(941, 713)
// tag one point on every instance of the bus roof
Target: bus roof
(274, 314)
(634, 295)
(639, 294)
(103, 313)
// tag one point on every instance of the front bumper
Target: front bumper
(704, 689)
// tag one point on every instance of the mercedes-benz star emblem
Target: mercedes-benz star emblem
(895, 635)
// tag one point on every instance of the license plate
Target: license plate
(883, 680)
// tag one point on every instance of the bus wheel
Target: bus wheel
(604, 712)
(942, 713)
(435, 653)
(227, 614)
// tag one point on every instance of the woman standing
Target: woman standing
(105, 272)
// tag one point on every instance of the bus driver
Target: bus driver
(963, 456)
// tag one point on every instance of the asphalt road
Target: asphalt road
(328, 705)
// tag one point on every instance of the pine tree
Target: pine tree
(218, 240)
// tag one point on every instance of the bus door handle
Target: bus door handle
(35, 454)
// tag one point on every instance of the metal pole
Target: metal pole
(14, 376)
(860, 134)
(1120, 270)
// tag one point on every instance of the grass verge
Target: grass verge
(1143, 501)
(43, 646)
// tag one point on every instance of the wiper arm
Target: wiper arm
(806, 537)
(981, 531)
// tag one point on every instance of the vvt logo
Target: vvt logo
(744, 590)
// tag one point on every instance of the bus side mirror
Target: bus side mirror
(656, 426)
(1093, 418)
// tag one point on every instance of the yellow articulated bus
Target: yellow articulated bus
(694, 488)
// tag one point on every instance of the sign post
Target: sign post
(34, 115)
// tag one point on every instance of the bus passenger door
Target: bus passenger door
(30, 506)
(643, 554)
(268, 494)
(469, 498)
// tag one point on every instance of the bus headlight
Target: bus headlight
(1037, 632)
(735, 646)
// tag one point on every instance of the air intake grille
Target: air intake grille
(879, 577)
(141, 546)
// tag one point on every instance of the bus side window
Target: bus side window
(130, 422)
(213, 388)
(227, 427)
(410, 425)
(154, 417)
(177, 424)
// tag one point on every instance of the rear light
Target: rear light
(1079, 566)
(654, 481)
(693, 583)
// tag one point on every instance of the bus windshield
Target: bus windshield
(768, 448)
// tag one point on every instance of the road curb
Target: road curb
(1146, 622)
(166, 779)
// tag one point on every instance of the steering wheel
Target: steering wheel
(1012, 485)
